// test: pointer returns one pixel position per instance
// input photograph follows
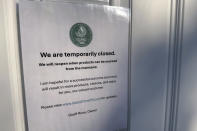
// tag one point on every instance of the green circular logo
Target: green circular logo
(81, 34)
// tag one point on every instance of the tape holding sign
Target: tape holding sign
(75, 64)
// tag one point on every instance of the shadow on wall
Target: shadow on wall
(149, 86)
(149, 79)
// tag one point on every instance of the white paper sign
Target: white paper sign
(75, 65)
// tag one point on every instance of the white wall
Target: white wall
(149, 64)
(6, 112)
(12, 116)
(151, 27)
(187, 112)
